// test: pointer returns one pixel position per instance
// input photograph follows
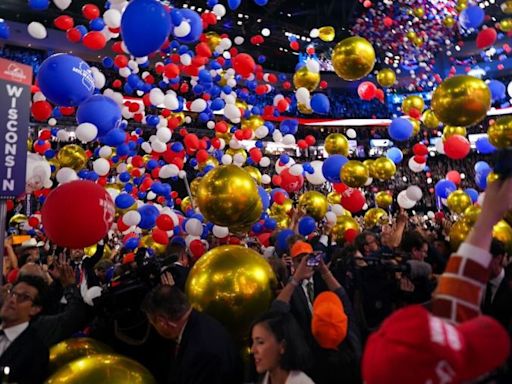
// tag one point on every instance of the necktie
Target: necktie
(488, 296)
(310, 291)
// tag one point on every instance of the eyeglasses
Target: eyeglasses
(20, 297)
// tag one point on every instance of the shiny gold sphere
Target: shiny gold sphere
(326, 34)
(212, 40)
(458, 201)
(282, 221)
(304, 109)
(471, 213)
(419, 12)
(55, 162)
(281, 209)
(102, 368)
(492, 177)
(500, 133)
(353, 58)
(461, 5)
(411, 102)
(375, 216)
(209, 161)
(505, 25)
(304, 78)
(91, 250)
(416, 125)
(336, 144)
(240, 151)
(254, 172)
(148, 242)
(369, 164)
(384, 199)
(224, 136)
(354, 174)
(449, 131)
(386, 77)
(314, 203)
(461, 101)
(186, 204)
(72, 156)
(228, 196)
(253, 122)
(233, 284)
(449, 21)
(411, 35)
(333, 198)
(344, 223)
(194, 185)
(71, 349)
(17, 219)
(503, 232)
(506, 7)
(430, 120)
(418, 41)
(384, 168)
(458, 233)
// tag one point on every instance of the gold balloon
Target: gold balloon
(228, 196)
(461, 101)
(506, 7)
(384, 199)
(307, 79)
(186, 204)
(282, 221)
(450, 131)
(411, 102)
(449, 21)
(415, 126)
(232, 152)
(334, 198)
(353, 58)
(233, 284)
(471, 213)
(240, 104)
(461, 5)
(386, 77)
(500, 133)
(458, 201)
(253, 122)
(71, 349)
(55, 162)
(326, 34)
(102, 368)
(194, 185)
(344, 223)
(314, 203)
(72, 156)
(411, 35)
(336, 144)
(17, 219)
(148, 242)
(281, 209)
(224, 136)
(458, 233)
(209, 161)
(354, 174)
(304, 109)
(384, 168)
(30, 143)
(254, 172)
(419, 12)
(91, 250)
(374, 216)
(503, 232)
(418, 41)
(430, 120)
(492, 176)
(212, 40)
(505, 25)
(369, 164)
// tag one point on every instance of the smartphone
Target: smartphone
(314, 259)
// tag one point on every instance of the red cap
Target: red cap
(412, 346)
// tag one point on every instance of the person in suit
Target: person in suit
(204, 352)
(182, 264)
(21, 349)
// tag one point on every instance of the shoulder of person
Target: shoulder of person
(299, 377)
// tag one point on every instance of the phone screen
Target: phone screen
(314, 259)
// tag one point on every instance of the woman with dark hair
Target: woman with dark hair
(279, 349)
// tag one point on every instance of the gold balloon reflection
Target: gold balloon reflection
(314, 203)
(72, 349)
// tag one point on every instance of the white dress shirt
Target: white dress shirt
(304, 287)
(10, 334)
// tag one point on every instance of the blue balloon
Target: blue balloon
(65, 79)
(145, 26)
(320, 104)
(234, 4)
(148, 214)
(261, 3)
(444, 187)
(5, 31)
(265, 198)
(395, 154)
(471, 17)
(124, 201)
(97, 24)
(131, 243)
(400, 129)
(306, 225)
(281, 238)
(196, 26)
(332, 166)
(498, 90)
(484, 146)
(39, 5)
(270, 224)
(114, 137)
(481, 166)
(473, 193)
(101, 111)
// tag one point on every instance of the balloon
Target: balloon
(86, 132)
(72, 349)
(244, 64)
(145, 26)
(326, 34)
(303, 78)
(498, 90)
(411, 103)
(450, 131)
(317, 177)
(374, 216)
(194, 30)
(331, 167)
(343, 225)
(5, 31)
(472, 193)
(77, 214)
(414, 193)
(366, 90)
(458, 201)
(291, 183)
(65, 79)
(430, 120)
(416, 167)
(457, 147)
(38, 173)
(114, 369)
(471, 17)
(354, 174)
(461, 100)
(481, 166)
(453, 176)
(336, 144)
(400, 129)
(233, 284)
(386, 77)
(228, 196)
(320, 104)
(353, 58)
(503, 232)
(101, 111)
(255, 173)
(444, 187)
(334, 198)
(395, 154)
(306, 225)
(384, 168)
(500, 133)
(72, 156)
(37, 30)
(458, 232)
(94, 40)
(404, 202)
(314, 204)
(353, 200)
(384, 199)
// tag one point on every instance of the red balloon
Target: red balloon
(420, 159)
(244, 64)
(457, 147)
(295, 45)
(165, 222)
(77, 214)
(379, 95)
(42, 148)
(202, 156)
(282, 105)
(33, 221)
(160, 236)
(388, 21)
(197, 248)
(41, 110)
(94, 40)
(291, 183)
(121, 61)
(454, 176)
(420, 149)
(486, 38)
(366, 90)
(73, 35)
(90, 11)
(350, 235)
(256, 155)
(63, 22)
(353, 200)
(45, 134)
(340, 187)
(279, 198)
(310, 139)
(276, 180)
(171, 71)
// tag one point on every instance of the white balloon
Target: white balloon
(265, 179)
(296, 170)
(289, 139)
(194, 227)
(414, 193)
(281, 168)
(38, 96)
(337, 209)
(65, 175)
(226, 159)
(99, 79)
(146, 147)
(330, 217)
(101, 166)
(232, 112)
(404, 201)
(351, 133)
(124, 72)
(219, 10)
(63, 135)
(167, 171)
(105, 152)
(313, 66)
(369, 181)
(314, 33)
(261, 132)
(171, 102)
(481, 198)
(37, 30)
(317, 177)
(239, 40)
(62, 4)
(52, 122)
(156, 96)
(198, 105)
(277, 136)
(239, 159)
(112, 18)
(416, 167)
(431, 214)
(440, 147)
(164, 134)
(220, 232)
(86, 132)
(182, 30)
(303, 96)
(264, 162)
(158, 146)
(132, 218)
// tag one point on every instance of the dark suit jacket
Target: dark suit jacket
(180, 275)
(27, 358)
(206, 354)
(501, 306)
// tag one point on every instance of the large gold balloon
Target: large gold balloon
(458, 233)
(253, 122)
(353, 58)
(102, 368)
(369, 164)
(333, 198)
(233, 284)
(458, 201)
(505, 25)
(148, 242)
(500, 133)
(411, 102)
(384, 168)
(344, 223)
(384, 199)
(503, 232)
(430, 120)
(386, 77)
(72, 156)
(228, 196)
(354, 174)
(449, 21)
(194, 185)
(17, 219)
(71, 349)
(307, 79)
(461, 101)
(212, 40)
(374, 216)
(254, 172)
(209, 161)
(336, 144)
(326, 34)
(506, 7)
(450, 130)
(314, 203)
(471, 213)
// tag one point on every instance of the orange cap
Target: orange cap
(300, 247)
(329, 323)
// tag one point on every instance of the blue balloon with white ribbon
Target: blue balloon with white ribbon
(101, 111)
(193, 19)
